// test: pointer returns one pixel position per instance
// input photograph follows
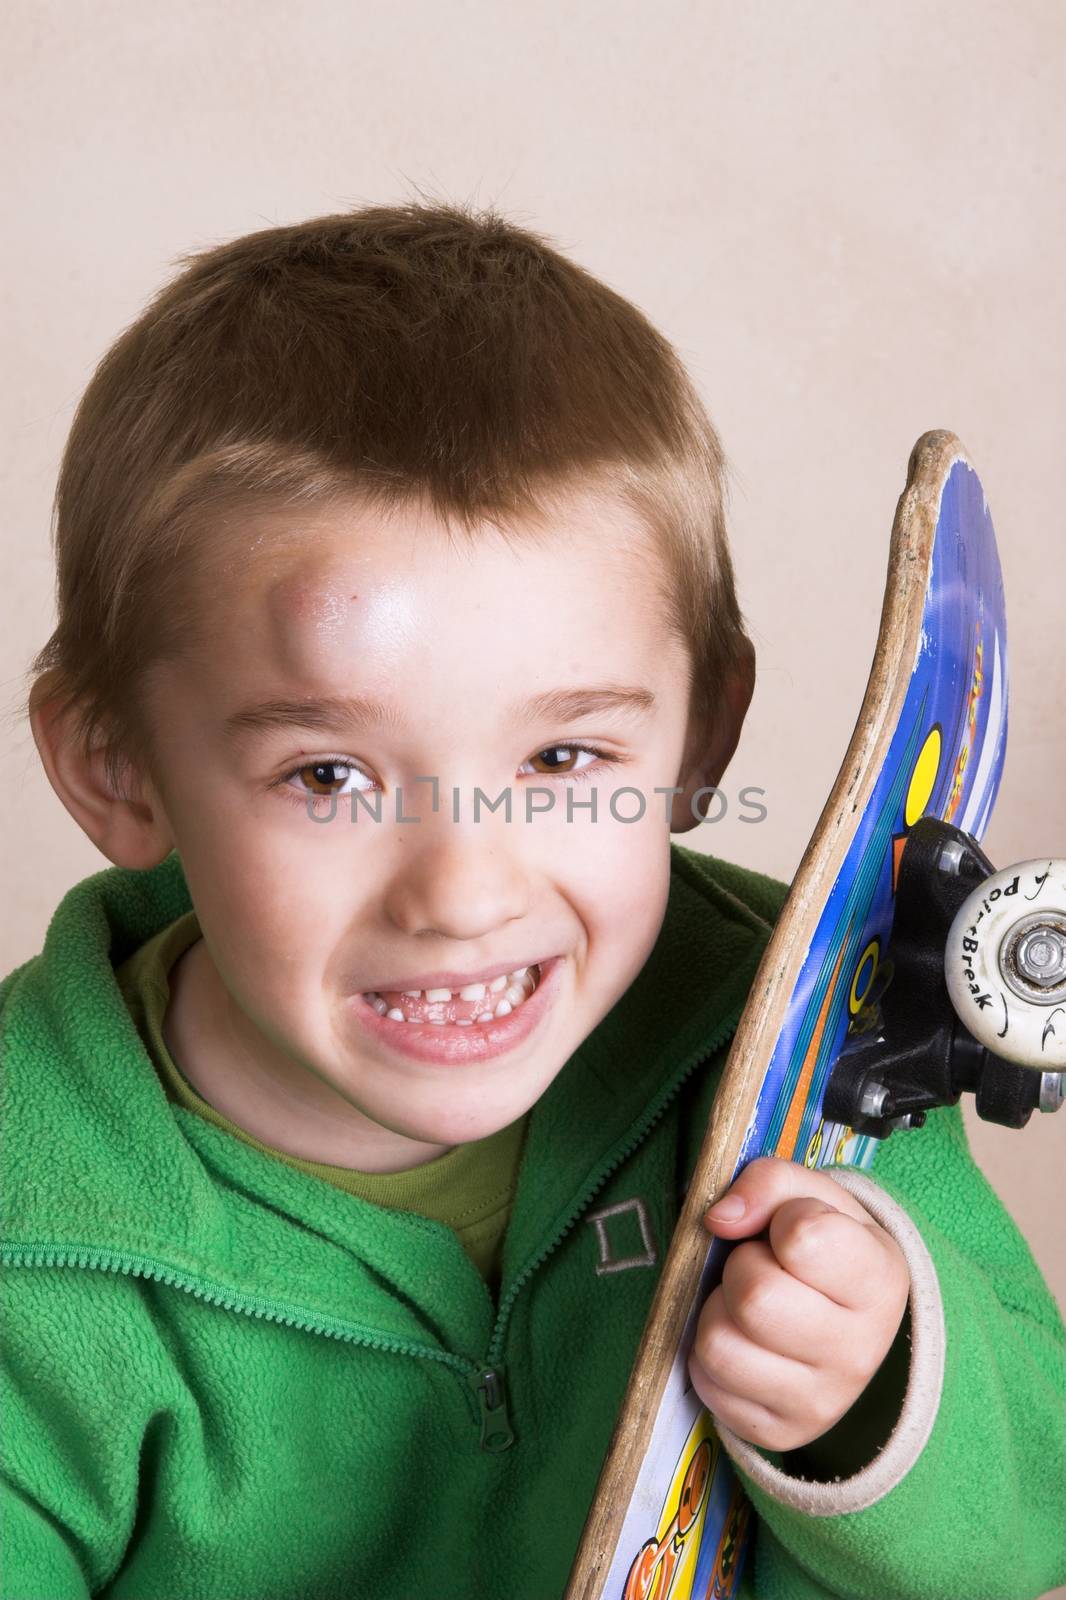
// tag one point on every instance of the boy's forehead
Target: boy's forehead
(320, 592)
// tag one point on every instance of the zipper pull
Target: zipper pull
(496, 1432)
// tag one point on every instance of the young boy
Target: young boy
(349, 1112)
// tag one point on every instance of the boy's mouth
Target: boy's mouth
(477, 1003)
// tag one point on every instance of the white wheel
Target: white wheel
(1005, 964)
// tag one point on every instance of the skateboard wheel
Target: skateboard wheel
(1005, 964)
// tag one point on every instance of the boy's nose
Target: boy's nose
(459, 882)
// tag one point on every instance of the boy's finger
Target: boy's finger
(850, 1262)
(747, 1371)
(772, 1307)
(766, 1184)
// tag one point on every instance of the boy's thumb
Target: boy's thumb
(751, 1200)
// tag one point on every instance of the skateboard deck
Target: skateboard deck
(669, 1520)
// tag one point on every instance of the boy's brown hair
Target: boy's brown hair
(395, 352)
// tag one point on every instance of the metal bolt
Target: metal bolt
(1041, 956)
(1032, 958)
(1052, 1092)
(949, 858)
(872, 1102)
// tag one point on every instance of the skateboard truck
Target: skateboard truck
(967, 942)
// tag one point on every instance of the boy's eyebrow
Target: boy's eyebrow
(363, 711)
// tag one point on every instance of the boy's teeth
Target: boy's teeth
(513, 988)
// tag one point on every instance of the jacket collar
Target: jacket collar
(97, 1161)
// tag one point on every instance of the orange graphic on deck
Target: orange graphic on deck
(790, 1132)
(665, 1565)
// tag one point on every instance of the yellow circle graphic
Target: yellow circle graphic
(867, 971)
(923, 778)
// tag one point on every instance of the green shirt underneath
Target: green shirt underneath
(470, 1189)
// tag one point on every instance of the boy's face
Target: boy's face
(308, 908)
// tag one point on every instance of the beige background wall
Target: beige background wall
(848, 217)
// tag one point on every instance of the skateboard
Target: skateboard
(834, 1047)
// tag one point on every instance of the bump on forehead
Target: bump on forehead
(310, 610)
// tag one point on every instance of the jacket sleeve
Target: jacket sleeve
(965, 1495)
(68, 1434)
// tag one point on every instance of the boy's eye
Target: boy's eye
(556, 757)
(320, 777)
(329, 775)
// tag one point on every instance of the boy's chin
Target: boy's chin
(450, 1130)
(451, 1133)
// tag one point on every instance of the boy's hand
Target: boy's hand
(805, 1315)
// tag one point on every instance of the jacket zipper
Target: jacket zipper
(27, 1255)
(487, 1380)
(496, 1434)
(496, 1424)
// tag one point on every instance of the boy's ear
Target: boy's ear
(709, 748)
(127, 825)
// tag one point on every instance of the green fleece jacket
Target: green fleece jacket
(227, 1380)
